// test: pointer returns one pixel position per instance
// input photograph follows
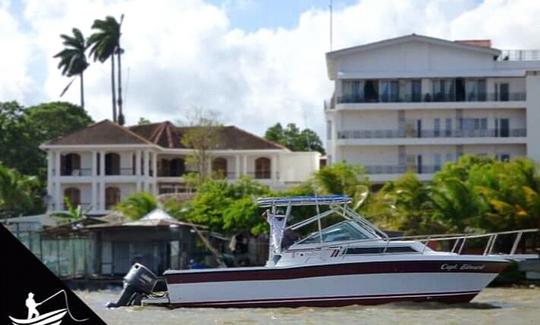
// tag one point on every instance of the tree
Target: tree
(18, 147)
(294, 139)
(105, 44)
(73, 58)
(23, 130)
(19, 194)
(202, 135)
(342, 178)
(137, 205)
(227, 208)
(143, 121)
(55, 119)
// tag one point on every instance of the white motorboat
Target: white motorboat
(348, 262)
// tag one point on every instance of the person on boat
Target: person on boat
(31, 304)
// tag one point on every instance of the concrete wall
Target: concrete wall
(295, 167)
(415, 56)
(533, 115)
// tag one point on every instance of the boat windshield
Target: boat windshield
(343, 231)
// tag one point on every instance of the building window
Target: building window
(177, 167)
(70, 164)
(73, 195)
(112, 197)
(112, 164)
(437, 127)
(262, 168)
(219, 167)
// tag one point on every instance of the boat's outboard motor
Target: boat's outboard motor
(138, 282)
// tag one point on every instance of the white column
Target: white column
(50, 164)
(154, 175)
(94, 198)
(102, 163)
(146, 173)
(236, 166)
(101, 191)
(94, 164)
(274, 169)
(244, 165)
(138, 163)
(58, 199)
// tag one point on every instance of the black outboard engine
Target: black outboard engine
(138, 282)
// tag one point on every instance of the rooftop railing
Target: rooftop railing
(519, 55)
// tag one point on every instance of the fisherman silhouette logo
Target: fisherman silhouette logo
(54, 317)
(36, 295)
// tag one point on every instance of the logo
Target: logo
(53, 317)
(32, 294)
(462, 267)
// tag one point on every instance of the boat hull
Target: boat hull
(332, 285)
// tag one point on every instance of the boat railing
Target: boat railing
(459, 241)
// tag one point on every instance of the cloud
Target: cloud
(16, 57)
(181, 54)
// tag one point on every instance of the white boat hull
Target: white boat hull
(370, 282)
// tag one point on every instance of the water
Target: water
(492, 306)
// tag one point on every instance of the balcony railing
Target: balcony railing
(443, 133)
(436, 97)
(400, 169)
(262, 175)
(120, 172)
(74, 172)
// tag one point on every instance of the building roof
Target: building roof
(166, 135)
(101, 133)
(478, 46)
(163, 134)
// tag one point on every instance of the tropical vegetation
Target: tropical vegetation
(295, 139)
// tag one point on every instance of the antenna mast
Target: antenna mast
(331, 23)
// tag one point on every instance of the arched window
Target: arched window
(177, 167)
(219, 167)
(70, 164)
(112, 197)
(262, 168)
(112, 164)
(73, 195)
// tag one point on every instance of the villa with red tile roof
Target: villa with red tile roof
(98, 166)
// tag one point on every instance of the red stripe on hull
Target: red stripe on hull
(463, 297)
(336, 269)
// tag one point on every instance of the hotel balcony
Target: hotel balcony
(428, 137)
(427, 101)
(382, 173)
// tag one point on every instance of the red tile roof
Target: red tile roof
(104, 132)
(163, 134)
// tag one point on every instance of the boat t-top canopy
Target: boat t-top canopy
(278, 214)
(303, 200)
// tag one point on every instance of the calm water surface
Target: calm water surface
(492, 306)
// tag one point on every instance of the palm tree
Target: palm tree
(137, 205)
(73, 58)
(18, 193)
(105, 44)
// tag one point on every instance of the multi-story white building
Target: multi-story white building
(416, 102)
(100, 165)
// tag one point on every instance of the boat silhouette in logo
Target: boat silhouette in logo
(51, 318)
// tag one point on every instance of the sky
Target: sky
(255, 62)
